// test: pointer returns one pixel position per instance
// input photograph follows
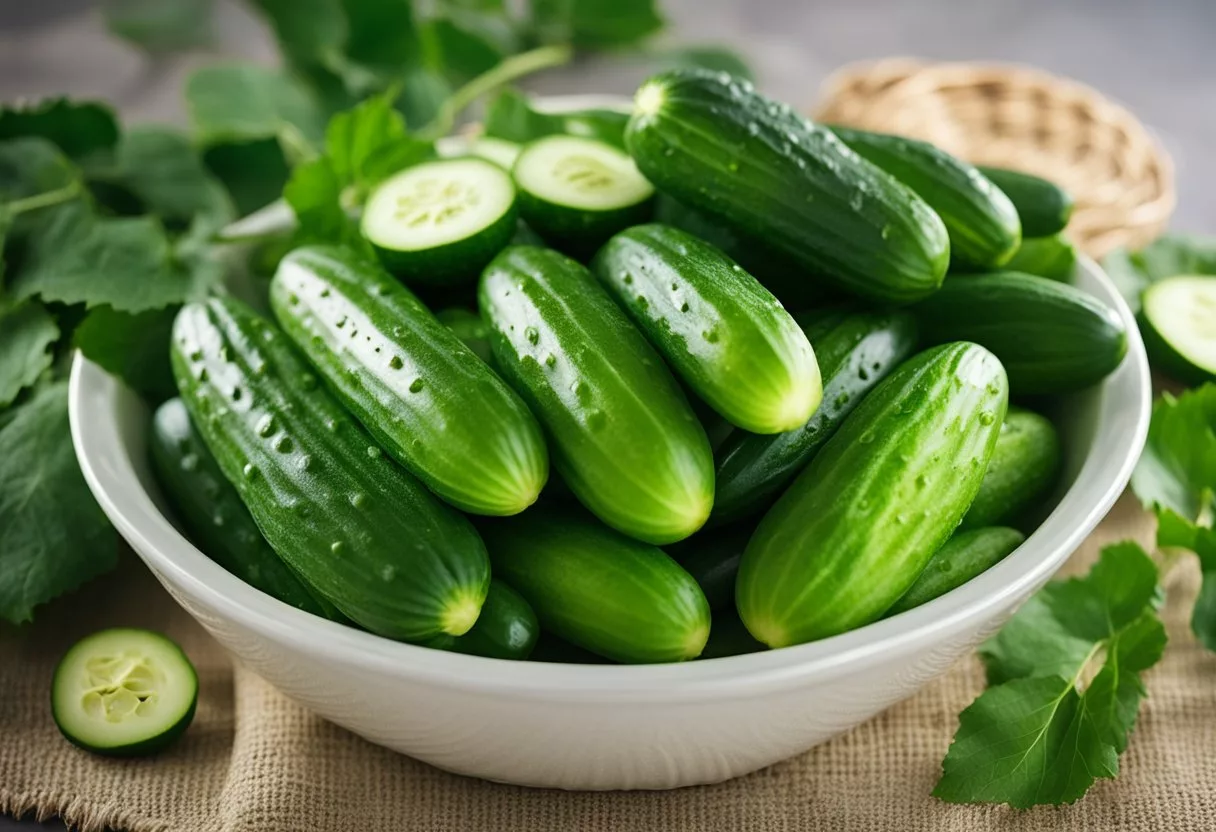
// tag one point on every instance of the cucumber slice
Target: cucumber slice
(440, 222)
(1180, 313)
(499, 151)
(124, 692)
(577, 192)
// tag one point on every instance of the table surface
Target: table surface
(1154, 56)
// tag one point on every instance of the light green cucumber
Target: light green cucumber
(963, 557)
(1023, 469)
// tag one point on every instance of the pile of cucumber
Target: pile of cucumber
(617, 439)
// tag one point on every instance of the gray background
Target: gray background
(1154, 56)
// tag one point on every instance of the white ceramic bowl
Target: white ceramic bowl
(601, 726)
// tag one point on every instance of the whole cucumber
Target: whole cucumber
(600, 590)
(425, 396)
(715, 144)
(856, 351)
(506, 629)
(1023, 469)
(964, 556)
(622, 434)
(357, 528)
(214, 516)
(983, 224)
(721, 332)
(1053, 257)
(712, 558)
(1051, 337)
(1043, 206)
(860, 523)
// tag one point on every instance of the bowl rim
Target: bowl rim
(1123, 417)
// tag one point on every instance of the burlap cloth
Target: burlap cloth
(253, 760)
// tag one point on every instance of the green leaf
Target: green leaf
(1177, 470)
(244, 103)
(27, 333)
(78, 128)
(595, 24)
(54, 536)
(253, 173)
(1176, 532)
(382, 33)
(1042, 736)
(133, 347)
(1167, 256)
(511, 116)
(314, 193)
(164, 170)
(471, 42)
(716, 58)
(306, 29)
(36, 182)
(160, 25)
(370, 142)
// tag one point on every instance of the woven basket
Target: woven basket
(1026, 119)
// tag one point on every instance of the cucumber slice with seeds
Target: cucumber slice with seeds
(1180, 313)
(440, 222)
(124, 692)
(577, 192)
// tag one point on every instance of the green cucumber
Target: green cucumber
(622, 435)
(213, 514)
(617, 597)
(1052, 257)
(713, 143)
(1051, 337)
(354, 526)
(861, 522)
(723, 333)
(440, 222)
(1023, 469)
(425, 396)
(963, 557)
(712, 558)
(469, 328)
(124, 692)
(1044, 207)
(982, 223)
(729, 637)
(1176, 316)
(506, 629)
(856, 351)
(551, 649)
(577, 192)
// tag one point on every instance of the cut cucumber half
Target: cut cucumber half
(440, 222)
(1179, 314)
(577, 192)
(124, 692)
(499, 151)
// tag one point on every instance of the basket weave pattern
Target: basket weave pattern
(1025, 119)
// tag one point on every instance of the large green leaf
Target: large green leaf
(161, 25)
(79, 129)
(245, 103)
(27, 334)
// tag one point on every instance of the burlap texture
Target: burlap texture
(255, 761)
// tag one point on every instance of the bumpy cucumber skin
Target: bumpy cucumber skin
(1023, 469)
(621, 433)
(982, 223)
(470, 329)
(856, 351)
(1043, 206)
(600, 590)
(860, 523)
(1052, 257)
(1051, 337)
(716, 145)
(358, 529)
(506, 629)
(722, 332)
(729, 637)
(427, 398)
(712, 558)
(214, 515)
(963, 557)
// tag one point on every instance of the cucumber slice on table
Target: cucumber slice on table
(1180, 313)
(578, 192)
(124, 692)
(442, 221)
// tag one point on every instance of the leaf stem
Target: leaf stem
(510, 69)
(45, 199)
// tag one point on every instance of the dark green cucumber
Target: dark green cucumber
(964, 556)
(1052, 257)
(861, 522)
(619, 598)
(622, 435)
(856, 351)
(1051, 337)
(469, 328)
(425, 396)
(1043, 206)
(729, 637)
(1023, 469)
(981, 220)
(716, 145)
(712, 558)
(722, 332)
(506, 629)
(213, 514)
(357, 528)
(551, 649)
